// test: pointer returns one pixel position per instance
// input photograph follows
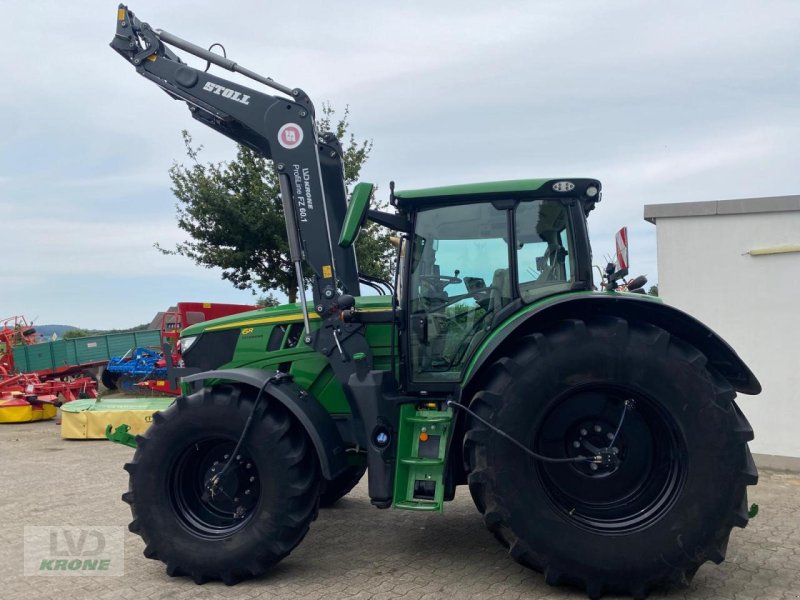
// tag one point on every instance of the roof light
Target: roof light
(591, 191)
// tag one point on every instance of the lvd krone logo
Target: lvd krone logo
(71, 550)
(85, 543)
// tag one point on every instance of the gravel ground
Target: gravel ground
(352, 551)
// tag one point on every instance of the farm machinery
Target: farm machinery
(33, 396)
(597, 431)
(145, 367)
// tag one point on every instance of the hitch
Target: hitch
(121, 435)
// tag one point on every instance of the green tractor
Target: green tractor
(597, 431)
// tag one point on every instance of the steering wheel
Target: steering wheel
(442, 280)
(479, 295)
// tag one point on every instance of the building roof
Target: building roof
(156, 322)
(741, 206)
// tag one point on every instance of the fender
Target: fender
(628, 306)
(318, 424)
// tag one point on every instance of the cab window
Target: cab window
(543, 248)
(459, 279)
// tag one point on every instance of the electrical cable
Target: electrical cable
(213, 483)
(208, 63)
(548, 459)
(619, 425)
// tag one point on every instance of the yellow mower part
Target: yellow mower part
(18, 410)
(88, 419)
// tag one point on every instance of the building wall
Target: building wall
(753, 302)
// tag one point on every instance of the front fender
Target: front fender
(318, 424)
(720, 355)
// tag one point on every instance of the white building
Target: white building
(735, 265)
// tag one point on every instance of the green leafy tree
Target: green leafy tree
(653, 291)
(76, 333)
(267, 300)
(233, 215)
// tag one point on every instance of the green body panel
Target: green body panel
(51, 357)
(514, 319)
(472, 189)
(310, 369)
(356, 212)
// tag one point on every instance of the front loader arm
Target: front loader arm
(280, 128)
(311, 176)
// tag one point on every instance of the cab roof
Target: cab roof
(497, 190)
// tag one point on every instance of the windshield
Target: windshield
(461, 275)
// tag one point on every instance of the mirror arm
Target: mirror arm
(396, 222)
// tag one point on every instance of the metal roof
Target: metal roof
(741, 206)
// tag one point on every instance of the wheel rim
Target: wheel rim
(641, 482)
(231, 506)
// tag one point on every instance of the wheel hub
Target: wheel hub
(591, 439)
(231, 491)
(210, 499)
(638, 462)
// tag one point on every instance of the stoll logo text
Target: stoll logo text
(74, 551)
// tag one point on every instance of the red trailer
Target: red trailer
(172, 323)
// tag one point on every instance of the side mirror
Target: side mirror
(356, 214)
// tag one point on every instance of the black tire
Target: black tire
(109, 379)
(335, 490)
(126, 383)
(651, 520)
(263, 509)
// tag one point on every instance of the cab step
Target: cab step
(422, 444)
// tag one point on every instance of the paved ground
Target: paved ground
(353, 550)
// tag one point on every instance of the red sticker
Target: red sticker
(290, 136)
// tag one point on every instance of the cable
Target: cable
(213, 483)
(621, 419)
(208, 63)
(549, 459)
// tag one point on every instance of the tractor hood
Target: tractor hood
(286, 313)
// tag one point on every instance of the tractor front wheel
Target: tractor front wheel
(677, 469)
(259, 511)
(336, 489)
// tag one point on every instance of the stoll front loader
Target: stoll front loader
(597, 431)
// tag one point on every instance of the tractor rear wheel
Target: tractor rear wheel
(335, 490)
(264, 503)
(678, 481)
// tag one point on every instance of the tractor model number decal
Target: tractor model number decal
(227, 92)
(302, 191)
(563, 186)
(290, 136)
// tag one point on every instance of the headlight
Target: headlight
(591, 191)
(187, 342)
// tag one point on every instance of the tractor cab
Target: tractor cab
(475, 254)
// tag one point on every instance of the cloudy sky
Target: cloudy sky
(663, 102)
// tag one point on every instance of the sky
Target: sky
(663, 102)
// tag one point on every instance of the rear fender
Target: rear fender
(630, 307)
(318, 424)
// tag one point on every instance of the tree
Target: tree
(76, 333)
(653, 291)
(233, 215)
(267, 300)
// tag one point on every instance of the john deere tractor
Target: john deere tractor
(597, 431)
